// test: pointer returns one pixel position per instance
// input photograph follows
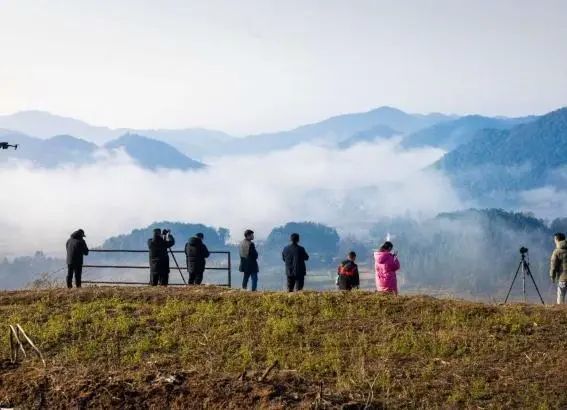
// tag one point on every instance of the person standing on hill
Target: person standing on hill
(249, 261)
(197, 253)
(158, 246)
(558, 266)
(294, 257)
(76, 249)
(386, 264)
(348, 277)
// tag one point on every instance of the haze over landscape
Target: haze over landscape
(418, 149)
(363, 119)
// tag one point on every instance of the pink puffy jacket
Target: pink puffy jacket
(385, 266)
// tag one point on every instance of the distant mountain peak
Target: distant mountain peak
(153, 154)
(387, 109)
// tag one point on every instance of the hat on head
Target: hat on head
(81, 233)
(200, 235)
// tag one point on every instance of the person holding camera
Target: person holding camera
(294, 257)
(558, 266)
(249, 261)
(76, 249)
(197, 253)
(158, 246)
(386, 264)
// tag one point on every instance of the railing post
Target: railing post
(229, 271)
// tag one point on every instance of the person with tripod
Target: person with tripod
(558, 266)
(158, 246)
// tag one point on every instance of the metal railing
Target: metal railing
(227, 268)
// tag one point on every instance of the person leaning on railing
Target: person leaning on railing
(76, 249)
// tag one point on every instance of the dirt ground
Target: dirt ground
(209, 347)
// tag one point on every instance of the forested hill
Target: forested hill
(138, 238)
(449, 135)
(525, 157)
(498, 218)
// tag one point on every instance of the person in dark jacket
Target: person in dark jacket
(249, 261)
(76, 249)
(347, 271)
(294, 257)
(197, 253)
(159, 258)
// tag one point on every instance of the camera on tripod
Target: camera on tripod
(524, 266)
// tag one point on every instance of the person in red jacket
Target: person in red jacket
(386, 264)
(347, 272)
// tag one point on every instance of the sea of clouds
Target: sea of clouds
(348, 189)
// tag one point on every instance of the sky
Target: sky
(250, 66)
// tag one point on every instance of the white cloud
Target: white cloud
(344, 188)
(546, 202)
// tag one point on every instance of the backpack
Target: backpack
(347, 269)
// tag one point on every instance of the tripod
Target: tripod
(526, 271)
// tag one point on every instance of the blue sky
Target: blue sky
(251, 66)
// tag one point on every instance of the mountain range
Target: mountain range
(337, 130)
(68, 150)
(348, 129)
(192, 141)
(486, 156)
(524, 157)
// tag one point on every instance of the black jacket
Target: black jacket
(76, 249)
(248, 257)
(294, 257)
(350, 269)
(196, 252)
(159, 258)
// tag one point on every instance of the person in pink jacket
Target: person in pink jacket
(386, 264)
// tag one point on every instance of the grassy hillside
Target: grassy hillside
(207, 347)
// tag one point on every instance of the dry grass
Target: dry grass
(111, 347)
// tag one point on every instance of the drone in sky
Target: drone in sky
(5, 145)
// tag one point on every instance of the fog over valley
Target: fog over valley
(345, 188)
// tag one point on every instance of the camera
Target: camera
(523, 250)
(165, 231)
